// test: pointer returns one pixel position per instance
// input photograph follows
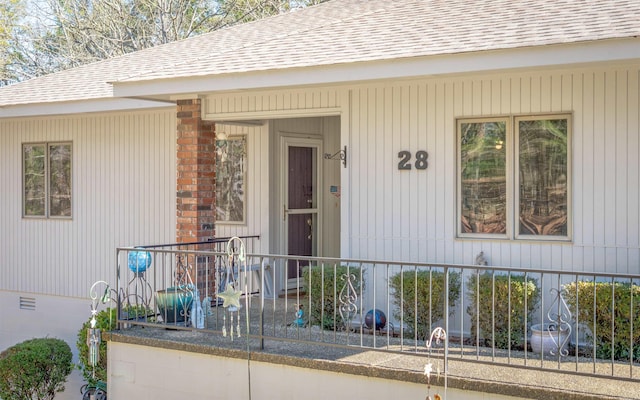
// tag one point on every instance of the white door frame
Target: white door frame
(316, 144)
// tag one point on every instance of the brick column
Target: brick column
(195, 190)
(196, 174)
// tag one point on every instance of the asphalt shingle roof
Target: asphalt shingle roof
(346, 31)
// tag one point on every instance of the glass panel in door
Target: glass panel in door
(302, 213)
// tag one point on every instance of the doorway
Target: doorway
(302, 231)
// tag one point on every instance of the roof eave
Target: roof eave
(611, 50)
(79, 107)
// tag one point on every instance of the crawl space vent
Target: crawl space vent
(28, 303)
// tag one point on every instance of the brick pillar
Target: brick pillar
(196, 174)
(195, 198)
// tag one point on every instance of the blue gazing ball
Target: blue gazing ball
(139, 261)
(380, 319)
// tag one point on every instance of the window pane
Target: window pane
(483, 177)
(543, 177)
(34, 179)
(60, 180)
(230, 179)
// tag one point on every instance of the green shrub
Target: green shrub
(34, 369)
(106, 320)
(319, 287)
(429, 286)
(606, 313)
(481, 296)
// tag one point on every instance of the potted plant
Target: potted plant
(549, 339)
(174, 303)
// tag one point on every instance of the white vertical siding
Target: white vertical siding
(256, 188)
(123, 194)
(286, 100)
(411, 215)
(331, 177)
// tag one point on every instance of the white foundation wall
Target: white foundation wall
(140, 372)
(54, 317)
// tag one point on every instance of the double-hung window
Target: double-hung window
(46, 180)
(514, 177)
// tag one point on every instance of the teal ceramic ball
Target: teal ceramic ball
(139, 261)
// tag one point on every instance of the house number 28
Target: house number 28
(405, 159)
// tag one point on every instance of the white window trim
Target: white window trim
(512, 166)
(243, 221)
(46, 182)
(516, 167)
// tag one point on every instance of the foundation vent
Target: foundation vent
(28, 303)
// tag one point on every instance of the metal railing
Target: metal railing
(578, 323)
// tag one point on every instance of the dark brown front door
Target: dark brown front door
(301, 209)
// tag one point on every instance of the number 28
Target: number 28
(405, 160)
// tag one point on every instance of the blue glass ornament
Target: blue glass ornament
(139, 261)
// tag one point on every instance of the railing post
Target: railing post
(261, 313)
(118, 300)
(446, 322)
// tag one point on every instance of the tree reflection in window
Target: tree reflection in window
(231, 158)
(483, 172)
(60, 180)
(543, 171)
(34, 196)
(46, 179)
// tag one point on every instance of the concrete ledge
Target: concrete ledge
(467, 376)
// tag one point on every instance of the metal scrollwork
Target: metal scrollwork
(438, 335)
(137, 291)
(94, 333)
(560, 313)
(347, 298)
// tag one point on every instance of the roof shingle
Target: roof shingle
(346, 31)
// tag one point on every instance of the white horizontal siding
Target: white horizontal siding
(411, 215)
(123, 194)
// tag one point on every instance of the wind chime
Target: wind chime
(231, 295)
(93, 334)
(438, 335)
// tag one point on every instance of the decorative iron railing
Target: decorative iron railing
(579, 323)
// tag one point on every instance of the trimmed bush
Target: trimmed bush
(606, 313)
(106, 320)
(324, 304)
(429, 287)
(480, 308)
(34, 369)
